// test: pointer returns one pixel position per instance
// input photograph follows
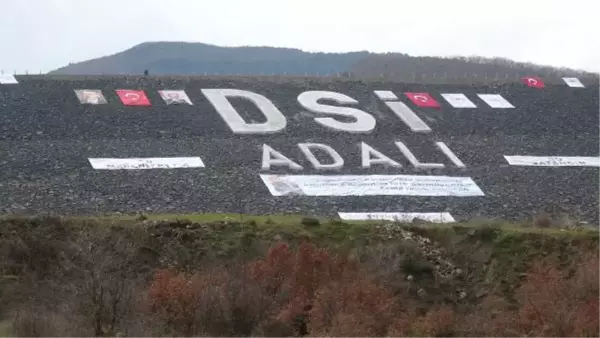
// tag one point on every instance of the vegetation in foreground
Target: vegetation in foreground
(289, 276)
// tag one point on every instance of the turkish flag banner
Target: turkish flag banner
(533, 82)
(423, 100)
(133, 97)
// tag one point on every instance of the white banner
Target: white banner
(459, 101)
(370, 185)
(573, 82)
(404, 217)
(90, 96)
(8, 79)
(495, 100)
(554, 161)
(146, 163)
(175, 97)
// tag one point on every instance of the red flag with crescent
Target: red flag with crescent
(133, 97)
(423, 100)
(533, 82)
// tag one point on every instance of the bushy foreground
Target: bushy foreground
(64, 278)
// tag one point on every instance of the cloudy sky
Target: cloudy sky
(41, 35)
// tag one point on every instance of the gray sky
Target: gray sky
(47, 34)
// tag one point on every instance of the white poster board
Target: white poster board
(573, 82)
(8, 79)
(553, 161)
(495, 101)
(404, 217)
(370, 185)
(146, 163)
(459, 100)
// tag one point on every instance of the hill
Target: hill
(181, 58)
(238, 206)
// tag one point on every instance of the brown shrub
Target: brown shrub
(439, 321)
(216, 302)
(556, 304)
(43, 321)
(543, 220)
(306, 289)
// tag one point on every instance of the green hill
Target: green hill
(181, 58)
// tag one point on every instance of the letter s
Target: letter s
(363, 123)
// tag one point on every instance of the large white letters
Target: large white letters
(338, 161)
(413, 159)
(271, 157)
(363, 123)
(444, 148)
(370, 155)
(412, 120)
(275, 119)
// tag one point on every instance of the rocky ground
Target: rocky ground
(46, 137)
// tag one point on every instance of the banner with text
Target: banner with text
(146, 163)
(554, 161)
(405, 217)
(370, 185)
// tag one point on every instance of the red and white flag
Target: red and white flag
(423, 100)
(133, 97)
(533, 82)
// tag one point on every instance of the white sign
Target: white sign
(573, 82)
(336, 115)
(8, 79)
(554, 161)
(369, 156)
(495, 100)
(404, 217)
(175, 97)
(370, 185)
(90, 96)
(459, 101)
(146, 163)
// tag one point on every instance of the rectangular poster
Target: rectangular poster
(175, 97)
(90, 96)
(495, 101)
(573, 82)
(146, 163)
(8, 79)
(554, 161)
(459, 101)
(370, 185)
(404, 217)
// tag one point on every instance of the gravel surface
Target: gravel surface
(46, 137)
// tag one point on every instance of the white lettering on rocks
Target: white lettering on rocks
(276, 121)
(413, 159)
(363, 123)
(271, 157)
(407, 115)
(338, 161)
(370, 156)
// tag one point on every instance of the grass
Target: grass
(293, 222)
(495, 255)
(6, 329)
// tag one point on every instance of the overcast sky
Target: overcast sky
(47, 34)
